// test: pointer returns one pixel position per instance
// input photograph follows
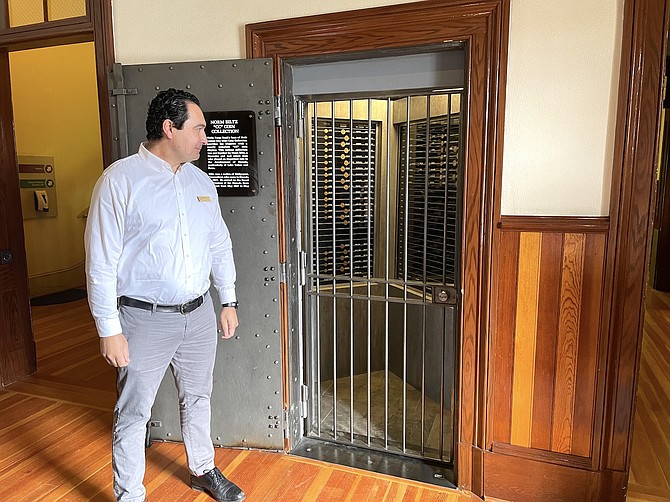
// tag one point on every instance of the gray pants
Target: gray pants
(156, 340)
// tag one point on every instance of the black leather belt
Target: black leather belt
(184, 308)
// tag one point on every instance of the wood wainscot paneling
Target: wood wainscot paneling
(545, 385)
(572, 466)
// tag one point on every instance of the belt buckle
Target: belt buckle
(185, 308)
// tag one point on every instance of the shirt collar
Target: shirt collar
(153, 160)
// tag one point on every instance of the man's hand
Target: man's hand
(115, 350)
(228, 322)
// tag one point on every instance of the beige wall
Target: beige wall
(160, 31)
(562, 75)
(561, 106)
(54, 94)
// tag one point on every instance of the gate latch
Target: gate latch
(445, 295)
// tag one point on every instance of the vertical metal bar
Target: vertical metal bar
(446, 195)
(442, 376)
(370, 197)
(404, 296)
(457, 258)
(426, 173)
(444, 268)
(351, 267)
(332, 176)
(389, 127)
(314, 229)
(452, 397)
(45, 11)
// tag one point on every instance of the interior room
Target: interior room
(448, 230)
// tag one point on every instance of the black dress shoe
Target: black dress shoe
(216, 484)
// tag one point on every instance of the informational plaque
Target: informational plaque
(229, 158)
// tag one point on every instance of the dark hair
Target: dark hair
(171, 105)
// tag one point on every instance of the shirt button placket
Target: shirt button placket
(186, 248)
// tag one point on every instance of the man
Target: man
(153, 236)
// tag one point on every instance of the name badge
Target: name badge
(204, 198)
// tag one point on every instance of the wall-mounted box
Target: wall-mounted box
(37, 180)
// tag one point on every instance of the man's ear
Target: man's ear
(167, 128)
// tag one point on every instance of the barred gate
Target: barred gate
(381, 191)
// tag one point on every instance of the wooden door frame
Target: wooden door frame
(96, 26)
(645, 25)
(483, 26)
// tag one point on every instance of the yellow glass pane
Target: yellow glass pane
(23, 12)
(65, 9)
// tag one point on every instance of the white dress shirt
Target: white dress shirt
(154, 235)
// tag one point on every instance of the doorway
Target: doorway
(659, 266)
(59, 154)
(20, 30)
(415, 26)
(59, 151)
(380, 173)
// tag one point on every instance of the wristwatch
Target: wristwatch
(230, 304)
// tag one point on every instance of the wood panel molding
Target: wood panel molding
(526, 480)
(545, 384)
(46, 34)
(483, 25)
(573, 224)
(540, 455)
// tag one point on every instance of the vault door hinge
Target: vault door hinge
(118, 103)
(303, 268)
(123, 92)
(277, 111)
(286, 424)
(300, 130)
(304, 395)
(282, 272)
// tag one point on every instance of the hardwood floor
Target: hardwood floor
(650, 457)
(69, 366)
(55, 432)
(55, 438)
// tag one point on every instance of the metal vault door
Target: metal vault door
(247, 396)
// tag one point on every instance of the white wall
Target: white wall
(563, 71)
(561, 92)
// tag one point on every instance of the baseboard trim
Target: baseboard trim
(58, 280)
